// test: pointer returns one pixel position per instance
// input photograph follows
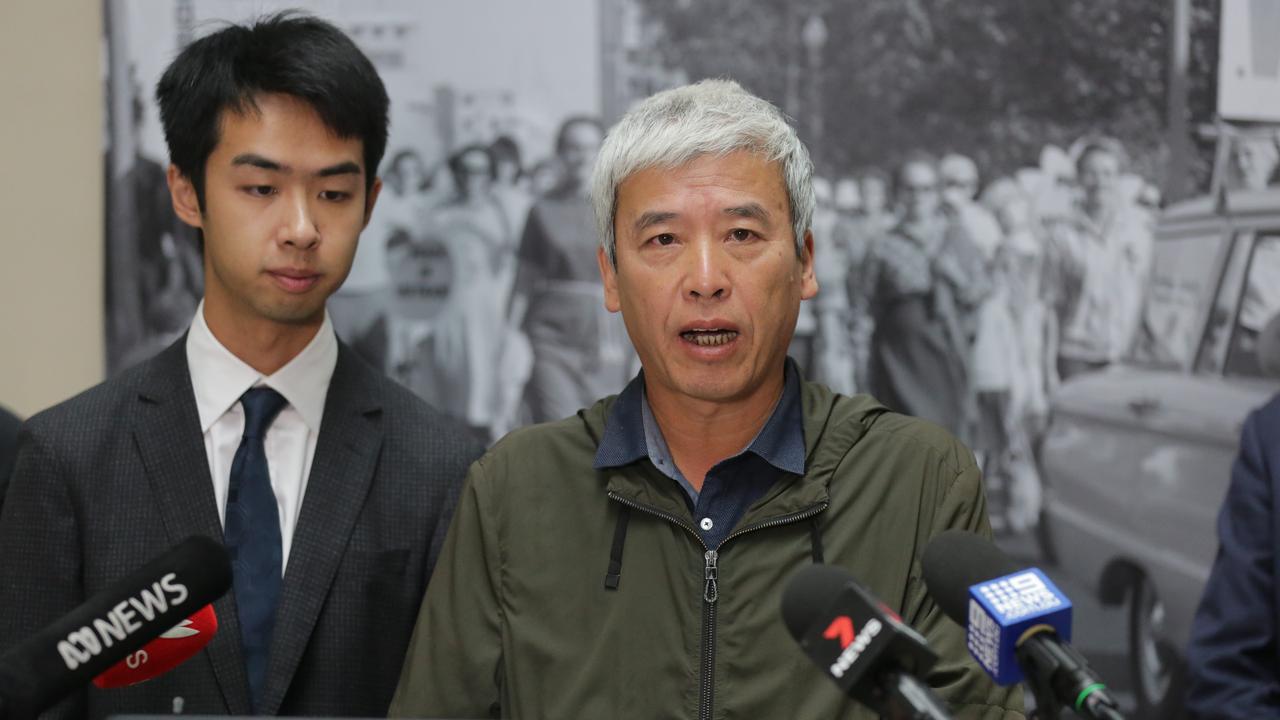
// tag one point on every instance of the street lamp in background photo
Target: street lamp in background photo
(814, 38)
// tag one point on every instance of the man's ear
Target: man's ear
(185, 203)
(374, 190)
(609, 275)
(808, 278)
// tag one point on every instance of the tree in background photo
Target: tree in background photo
(869, 82)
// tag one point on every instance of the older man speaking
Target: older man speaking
(718, 470)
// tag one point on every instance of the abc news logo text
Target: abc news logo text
(81, 646)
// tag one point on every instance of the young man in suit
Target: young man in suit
(331, 486)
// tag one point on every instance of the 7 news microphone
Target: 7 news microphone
(862, 645)
(110, 626)
(1017, 623)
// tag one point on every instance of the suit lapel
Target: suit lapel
(341, 473)
(167, 433)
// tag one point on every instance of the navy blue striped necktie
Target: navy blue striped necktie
(252, 536)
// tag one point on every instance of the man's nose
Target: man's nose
(298, 227)
(707, 275)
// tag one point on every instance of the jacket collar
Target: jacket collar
(833, 424)
(623, 442)
(780, 442)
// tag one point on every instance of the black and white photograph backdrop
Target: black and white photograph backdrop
(1092, 312)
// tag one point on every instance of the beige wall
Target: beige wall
(51, 247)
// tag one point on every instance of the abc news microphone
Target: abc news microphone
(862, 645)
(1017, 624)
(110, 626)
(175, 646)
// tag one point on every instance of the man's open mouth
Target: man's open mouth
(709, 338)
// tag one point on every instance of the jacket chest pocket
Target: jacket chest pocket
(381, 585)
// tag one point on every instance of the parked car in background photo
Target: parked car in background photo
(1137, 457)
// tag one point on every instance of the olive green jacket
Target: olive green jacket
(518, 621)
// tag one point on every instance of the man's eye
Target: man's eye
(334, 195)
(260, 190)
(742, 234)
(663, 239)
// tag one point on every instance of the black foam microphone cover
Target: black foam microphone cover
(956, 560)
(107, 627)
(809, 595)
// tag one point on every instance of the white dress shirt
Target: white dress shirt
(219, 378)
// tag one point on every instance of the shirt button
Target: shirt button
(706, 524)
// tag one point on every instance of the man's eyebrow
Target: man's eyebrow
(255, 160)
(258, 161)
(650, 218)
(753, 211)
(345, 168)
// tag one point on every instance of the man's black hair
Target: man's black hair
(287, 53)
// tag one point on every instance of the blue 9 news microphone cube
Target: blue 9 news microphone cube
(1003, 610)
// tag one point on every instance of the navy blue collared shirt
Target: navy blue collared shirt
(732, 485)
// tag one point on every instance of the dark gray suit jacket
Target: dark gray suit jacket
(117, 475)
(9, 424)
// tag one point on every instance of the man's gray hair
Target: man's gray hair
(711, 117)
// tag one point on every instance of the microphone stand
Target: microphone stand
(1059, 675)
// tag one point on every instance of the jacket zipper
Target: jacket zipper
(710, 593)
(711, 586)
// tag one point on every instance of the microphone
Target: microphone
(174, 647)
(862, 645)
(1018, 623)
(109, 626)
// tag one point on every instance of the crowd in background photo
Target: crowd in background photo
(476, 284)
(967, 303)
(947, 295)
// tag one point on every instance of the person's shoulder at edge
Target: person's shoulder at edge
(9, 424)
(1265, 419)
